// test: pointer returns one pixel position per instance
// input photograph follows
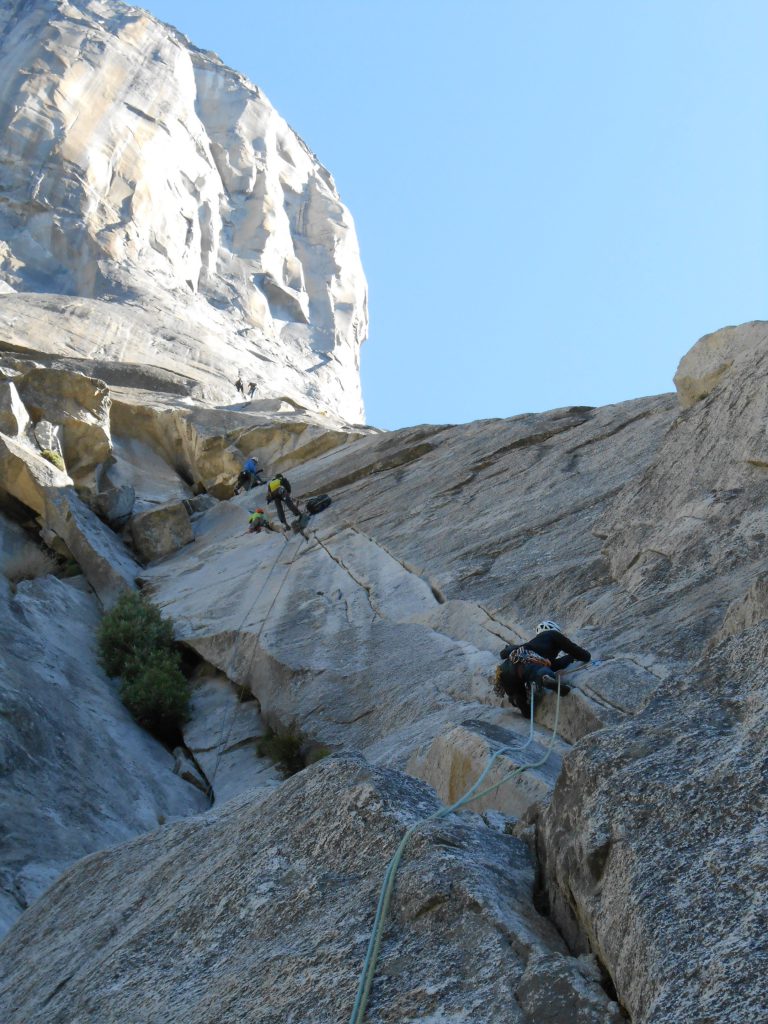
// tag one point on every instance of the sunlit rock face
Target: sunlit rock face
(141, 172)
(639, 526)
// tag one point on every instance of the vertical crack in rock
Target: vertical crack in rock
(367, 588)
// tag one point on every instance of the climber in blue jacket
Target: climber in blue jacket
(250, 476)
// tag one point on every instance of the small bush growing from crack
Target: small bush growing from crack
(136, 643)
(284, 749)
(54, 458)
(289, 750)
(29, 563)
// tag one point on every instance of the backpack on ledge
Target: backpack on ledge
(318, 504)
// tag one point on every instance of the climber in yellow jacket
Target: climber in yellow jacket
(279, 491)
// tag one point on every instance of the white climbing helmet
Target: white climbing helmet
(547, 624)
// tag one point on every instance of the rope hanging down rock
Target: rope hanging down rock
(379, 921)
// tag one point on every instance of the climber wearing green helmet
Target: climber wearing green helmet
(534, 663)
(258, 521)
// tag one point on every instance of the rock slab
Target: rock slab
(260, 913)
(77, 773)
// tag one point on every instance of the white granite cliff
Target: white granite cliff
(160, 191)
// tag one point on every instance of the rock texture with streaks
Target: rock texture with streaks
(260, 911)
(78, 774)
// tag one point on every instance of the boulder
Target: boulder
(199, 503)
(26, 475)
(79, 406)
(710, 360)
(67, 524)
(115, 505)
(160, 531)
(101, 555)
(13, 415)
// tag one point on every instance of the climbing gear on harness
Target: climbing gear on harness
(524, 656)
(547, 624)
(374, 943)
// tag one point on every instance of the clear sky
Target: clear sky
(554, 198)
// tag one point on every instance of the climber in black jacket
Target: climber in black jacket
(535, 662)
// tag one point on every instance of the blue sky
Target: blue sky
(554, 200)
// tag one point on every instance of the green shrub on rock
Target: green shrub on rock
(136, 642)
(285, 749)
(290, 750)
(130, 631)
(54, 458)
(155, 691)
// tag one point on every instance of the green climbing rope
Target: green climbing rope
(374, 943)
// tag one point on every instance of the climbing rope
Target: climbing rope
(222, 741)
(377, 931)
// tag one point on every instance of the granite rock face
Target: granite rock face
(384, 630)
(692, 527)
(162, 188)
(263, 908)
(169, 240)
(77, 773)
(656, 832)
(161, 530)
(443, 543)
(224, 734)
(380, 633)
